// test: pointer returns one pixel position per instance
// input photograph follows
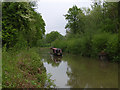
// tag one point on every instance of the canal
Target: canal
(74, 71)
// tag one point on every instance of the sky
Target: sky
(53, 12)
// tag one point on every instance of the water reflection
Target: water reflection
(56, 59)
(53, 60)
(90, 73)
(78, 72)
(58, 69)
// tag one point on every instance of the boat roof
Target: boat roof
(56, 48)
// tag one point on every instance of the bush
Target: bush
(112, 47)
(21, 43)
(99, 42)
(88, 45)
(60, 44)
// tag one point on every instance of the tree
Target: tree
(110, 11)
(52, 36)
(75, 23)
(21, 18)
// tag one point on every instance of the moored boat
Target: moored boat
(56, 51)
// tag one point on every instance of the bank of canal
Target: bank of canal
(73, 71)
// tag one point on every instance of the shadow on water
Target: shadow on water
(56, 59)
(78, 72)
(91, 73)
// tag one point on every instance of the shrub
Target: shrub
(60, 44)
(112, 47)
(88, 45)
(99, 43)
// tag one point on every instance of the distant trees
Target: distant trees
(21, 24)
(49, 38)
(52, 36)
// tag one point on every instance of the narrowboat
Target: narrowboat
(56, 51)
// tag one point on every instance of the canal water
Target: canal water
(74, 71)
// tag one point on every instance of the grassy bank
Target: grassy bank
(24, 69)
(91, 45)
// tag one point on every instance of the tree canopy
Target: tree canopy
(21, 24)
(52, 36)
(75, 20)
(92, 30)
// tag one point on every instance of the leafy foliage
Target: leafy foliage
(75, 20)
(21, 18)
(22, 27)
(100, 26)
(52, 36)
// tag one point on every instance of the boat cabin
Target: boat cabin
(56, 51)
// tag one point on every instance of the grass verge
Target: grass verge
(24, 69)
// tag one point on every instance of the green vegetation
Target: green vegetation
(22, 25)
(75, 20)
(91, 31)
(49, 38)
(22, 28)
(24, 69)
